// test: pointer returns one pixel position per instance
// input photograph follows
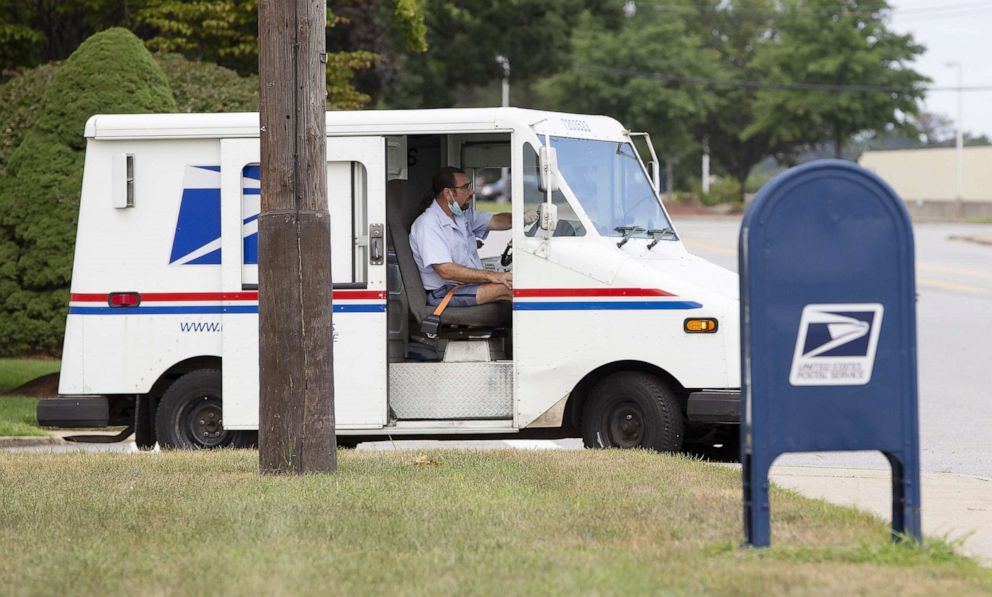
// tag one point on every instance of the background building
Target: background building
(927, 180)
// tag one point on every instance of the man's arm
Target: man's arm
(468, 275)
(501, 221)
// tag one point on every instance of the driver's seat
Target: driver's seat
(481, 319)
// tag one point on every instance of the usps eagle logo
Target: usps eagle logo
(197, 237)
(836, 345)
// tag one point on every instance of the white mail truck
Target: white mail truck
(615, 334)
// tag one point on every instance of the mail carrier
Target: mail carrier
(615, 334)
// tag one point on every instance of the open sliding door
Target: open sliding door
(356, 179)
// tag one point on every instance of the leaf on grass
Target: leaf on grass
(424, 460)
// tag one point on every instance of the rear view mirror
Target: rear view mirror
(547, 216)
(549, 169)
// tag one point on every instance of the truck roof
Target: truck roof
(364, 122)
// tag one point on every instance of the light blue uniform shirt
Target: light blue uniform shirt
(435, 239)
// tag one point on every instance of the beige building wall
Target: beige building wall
(931, 174)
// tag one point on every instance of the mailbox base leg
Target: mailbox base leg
(757, 513)
(905, 499)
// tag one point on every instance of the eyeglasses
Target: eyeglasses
(463, 187)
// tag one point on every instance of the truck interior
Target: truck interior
(469, 346)
(409, 338)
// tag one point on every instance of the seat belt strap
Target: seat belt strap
(447, 299)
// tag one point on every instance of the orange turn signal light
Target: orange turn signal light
(705, 325)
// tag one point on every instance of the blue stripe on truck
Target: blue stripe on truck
(206, 310)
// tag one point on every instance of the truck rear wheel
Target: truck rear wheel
(632, 409)
(190, 417)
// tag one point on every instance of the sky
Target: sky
(953, 31)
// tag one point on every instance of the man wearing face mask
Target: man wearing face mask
(444, 247)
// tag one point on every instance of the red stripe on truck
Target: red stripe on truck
(353, 295)
(567, 292)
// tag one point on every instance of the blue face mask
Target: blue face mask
(456, 209)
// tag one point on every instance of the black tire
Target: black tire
(189, 415)
(144, 422)
(632, 410)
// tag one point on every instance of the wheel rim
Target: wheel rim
(625, 425)
(201, 423)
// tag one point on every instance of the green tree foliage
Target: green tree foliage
(206, 87)
(789, 75)
(21, 99)
(39, 198)
(465, 36)
(226, 32)
(854, 67)
(41, 31)
(739, 31)
(603, 77)
(196, 87)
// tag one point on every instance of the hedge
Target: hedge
(111, 72)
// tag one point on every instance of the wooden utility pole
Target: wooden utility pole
(296, 380)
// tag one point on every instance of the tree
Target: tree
(739, 32)
(225, 32)
(611, 74)
(933, 128)
(843, 73)
(39, 196)
(33, 33)
(464, 38)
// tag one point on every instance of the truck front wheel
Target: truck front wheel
(632, 409)
(189, 416)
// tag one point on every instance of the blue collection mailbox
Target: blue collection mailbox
(828, 323)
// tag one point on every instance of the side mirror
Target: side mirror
(656, 175)
(549, 169)
(547, 217)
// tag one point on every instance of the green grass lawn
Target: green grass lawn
(18, 417)
(492, 206)
(14, 372)
(17, 413)
(488, 523)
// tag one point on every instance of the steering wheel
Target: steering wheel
(507, 257)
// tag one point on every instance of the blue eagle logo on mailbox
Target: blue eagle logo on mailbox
(836, 344)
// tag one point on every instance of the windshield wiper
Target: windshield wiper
(657, 234)
(627, 232)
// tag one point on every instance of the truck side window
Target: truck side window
(568, 221)
(347, 196)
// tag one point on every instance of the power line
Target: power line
(719, 6)
(751, 84)
(888, 13)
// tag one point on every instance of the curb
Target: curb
(29, 441)
(978, 240)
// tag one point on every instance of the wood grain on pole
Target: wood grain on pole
(296, 383)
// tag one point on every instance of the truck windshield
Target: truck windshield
(609, 182)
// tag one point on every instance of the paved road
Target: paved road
(954, 320)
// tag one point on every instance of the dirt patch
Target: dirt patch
(46, 386)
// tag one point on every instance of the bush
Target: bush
(21, 99)
(111, 72)
(206, 87)
(196, 87)
(722, 190)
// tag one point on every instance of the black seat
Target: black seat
(400, 215)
